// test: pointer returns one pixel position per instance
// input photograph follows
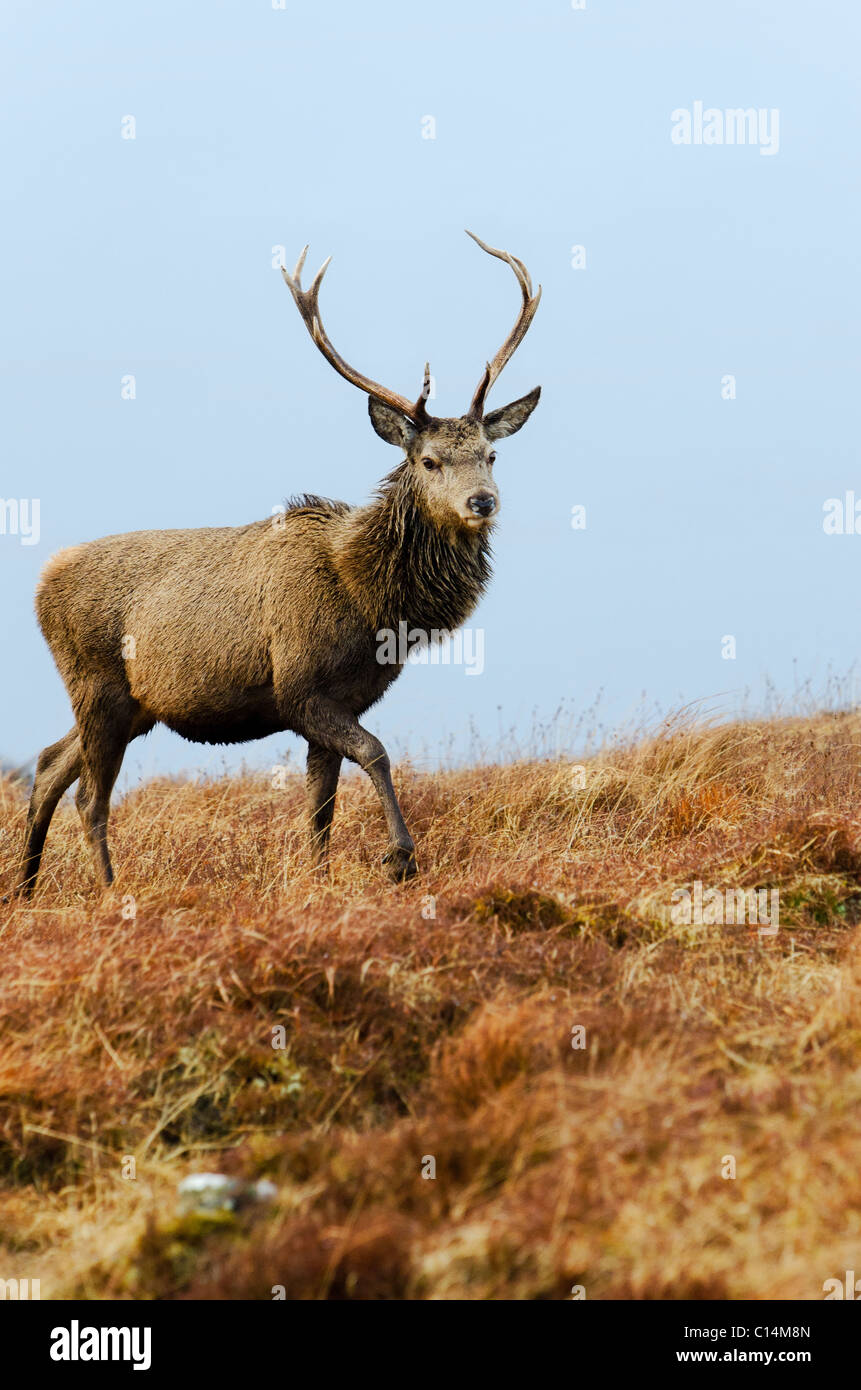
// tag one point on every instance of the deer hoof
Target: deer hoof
(22, 892)
(400, 864)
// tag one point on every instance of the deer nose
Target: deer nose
(482, 503)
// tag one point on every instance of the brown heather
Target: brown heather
(450, 1036)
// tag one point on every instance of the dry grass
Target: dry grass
(412, 1035)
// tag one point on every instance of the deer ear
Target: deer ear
(500, 423)
(390, 424)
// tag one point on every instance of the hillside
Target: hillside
(435, 1020)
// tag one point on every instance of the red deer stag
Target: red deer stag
(235, 633)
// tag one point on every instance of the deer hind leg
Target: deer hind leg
(57, 768)
(107, 720)
(335, 728)
(321, 783)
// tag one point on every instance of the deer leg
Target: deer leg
(334, 728)
(321, 783)
(106, 719)
(57, 768)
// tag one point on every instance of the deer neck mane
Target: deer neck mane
(398, 565)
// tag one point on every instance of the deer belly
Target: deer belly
(237, 717)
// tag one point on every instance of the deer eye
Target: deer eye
(491, 458)
(430, 464)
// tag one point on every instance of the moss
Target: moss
(820, 900)
(167, 1254)
(520, 911)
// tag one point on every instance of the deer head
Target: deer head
(450, 460)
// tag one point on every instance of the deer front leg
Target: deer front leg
(334, 728)
(321, 783)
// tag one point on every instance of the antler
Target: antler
(306, 303)
(518, 332)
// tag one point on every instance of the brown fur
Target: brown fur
(240, 632)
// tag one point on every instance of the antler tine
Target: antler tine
(523, 278)
(306, 303)
(518, 332)
(297, 273)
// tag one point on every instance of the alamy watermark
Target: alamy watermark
(752, 125)
(17, 1289)
(20, 517)
(439, 647)
(842, 515)
(847, 1287)
(76, 1343)
(730, 906)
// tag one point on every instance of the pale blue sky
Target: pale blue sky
(258, 127)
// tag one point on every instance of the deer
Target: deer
(229, 634)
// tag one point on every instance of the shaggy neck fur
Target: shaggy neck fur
(399, 566)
